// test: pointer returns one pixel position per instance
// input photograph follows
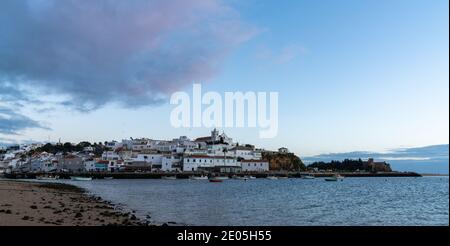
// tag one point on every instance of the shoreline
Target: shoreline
(24, 203)
(186, 175)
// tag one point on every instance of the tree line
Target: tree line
(345, 165)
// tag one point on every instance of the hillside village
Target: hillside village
(215, 153)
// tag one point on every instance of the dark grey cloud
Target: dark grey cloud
(133, 52)
(12, 122)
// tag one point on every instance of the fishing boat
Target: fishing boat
(47, 177)
(77, 178)
(215, 180)
(308, 176)
(240, 177)
(272, 177)
(222, 177)
(198, 177)
(169, 177)
(335, 177)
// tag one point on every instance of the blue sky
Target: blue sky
(351, 75)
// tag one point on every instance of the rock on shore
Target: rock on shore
(47, 204)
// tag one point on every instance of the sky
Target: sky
(351, 75)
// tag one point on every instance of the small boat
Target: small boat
(336, 177)
(169, 177)
(47, 177)
(221, 177)
(283, 177)
(108, 178)
(198, 177)
(215, 180)
(76, 178)
(251, 177)
(272, 177)
(308, 176)
(240, 177)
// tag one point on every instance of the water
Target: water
(354, 201)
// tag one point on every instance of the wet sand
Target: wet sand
(49, 204)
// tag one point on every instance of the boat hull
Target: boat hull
(169, 178)
(199, 178)
(80, 178)
(215, 180)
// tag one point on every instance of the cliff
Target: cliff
(283, 161)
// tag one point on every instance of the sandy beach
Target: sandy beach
(49, 204)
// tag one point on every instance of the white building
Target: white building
(283, 150)
(170, 163)
(89, 165)
(152, 158)
(88, 149)
(254, 166)
(246, 153)
(192, 163)
(110, 155)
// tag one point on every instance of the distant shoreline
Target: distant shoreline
(186, 175)
(434, 174)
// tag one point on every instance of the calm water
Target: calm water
(355, 201)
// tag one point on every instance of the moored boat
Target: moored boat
(198, 177)
(215, 179)
(272, 177)
(240, 177)
(222, 177)
(77, 178)
(169, 177)
(108, 178)
(47, 177)
(308, 176)
(335, 177)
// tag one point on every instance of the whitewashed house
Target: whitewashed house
(254, 166)
(170, 163)
(152, 158)
(110, 155)
(194, 162)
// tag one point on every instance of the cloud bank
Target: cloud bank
(12, 123)
(132, 52)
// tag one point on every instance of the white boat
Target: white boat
(308, 176)
(240, 177)
(198, 177)
(272, 177)
(336, 177)
(251, 177)
(76, 178)
(283, 177)
(47, 177)
(215, 180)
(222, 177)
(169, 177)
